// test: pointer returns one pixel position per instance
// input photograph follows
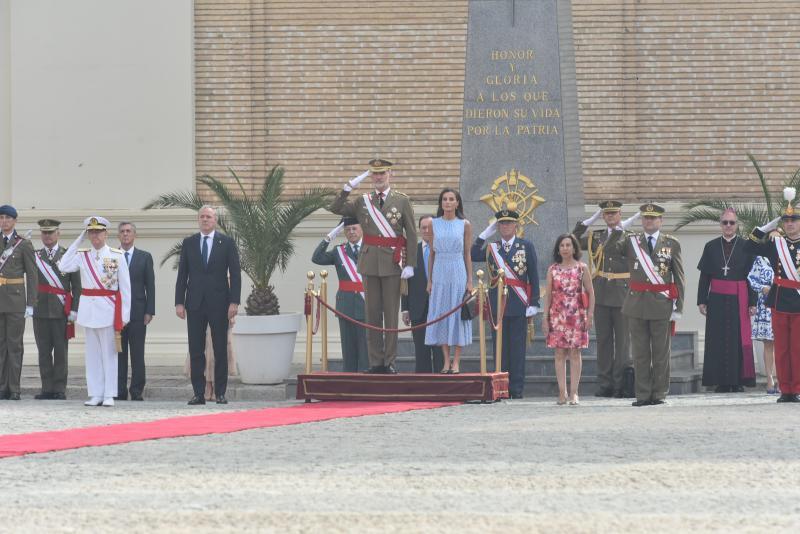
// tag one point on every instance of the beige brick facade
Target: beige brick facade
(671, 94)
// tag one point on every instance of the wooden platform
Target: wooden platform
(408, 387)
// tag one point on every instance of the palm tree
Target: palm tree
(261, 226)
(750, 214)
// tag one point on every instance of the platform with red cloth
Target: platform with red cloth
(405, 386)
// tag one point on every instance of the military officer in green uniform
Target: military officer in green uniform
(55, 312)
(610, 280)
(18, 281)
(388, 255)
(654, 302)
(350, 296)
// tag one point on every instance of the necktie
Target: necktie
(355, 250)
(380, 199)
(205, 251)
(5, 241)
(425, 255)
(650, 244)
(127, 258)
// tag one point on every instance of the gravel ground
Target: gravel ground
(700, 463)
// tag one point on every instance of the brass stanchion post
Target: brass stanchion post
(309, 319)
(323, 291)
(501, 296)
(481, 325)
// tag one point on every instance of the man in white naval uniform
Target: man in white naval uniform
(105, 306)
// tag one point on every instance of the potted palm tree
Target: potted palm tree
(750, 214)
(262, 226)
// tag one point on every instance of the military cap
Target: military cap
(379, 165)
(96, 222)
(349, 221)
(506, 215)
(610, 206)
(651, 210)
(5, 209)
(48, 225)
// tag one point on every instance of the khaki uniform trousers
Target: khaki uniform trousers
(613, 346)
(382, 307)
(650, 346)
(12, 328)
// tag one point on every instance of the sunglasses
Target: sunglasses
(728, 223)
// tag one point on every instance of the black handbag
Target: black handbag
(470, 308)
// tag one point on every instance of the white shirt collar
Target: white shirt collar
(202, 235)
(729, 240)
(654, 235)
(357, 244)
(129, 251)
(385, 192)
(510, 242)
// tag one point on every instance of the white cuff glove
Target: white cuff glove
(590, 221)
(530, 311)
(675, 316)
(333, 233)
(770, 226)
(408, 272)
(630, 220)
(28, 311)
(489, 231)
(72, 317)
(352, 184)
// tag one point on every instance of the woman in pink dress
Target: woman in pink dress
(567, 313)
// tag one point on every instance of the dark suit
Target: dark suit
(207, 291)
(521, 258)
(416, 304)
(350, 303)
(143, 301)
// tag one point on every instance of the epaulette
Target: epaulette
(399, 193)
(83, 249)
(668, 236)
(117, 250)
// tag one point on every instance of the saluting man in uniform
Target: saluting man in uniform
(387, 219)
(350, 296)
(54, 314)
(18, 292)
(105, 306)
(654, 302)
(610, 280)
(517, 257)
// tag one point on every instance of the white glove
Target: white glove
(28, 311)
(630, 220)
(333, 233)
(72, 317)
(770, 226)
(590, 221)
(408, 272)
(352, 184)
(530, 311)
(675, 316)
(489, 231)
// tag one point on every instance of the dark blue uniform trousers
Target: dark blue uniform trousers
(515, 333)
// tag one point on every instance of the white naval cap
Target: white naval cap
(95, 222)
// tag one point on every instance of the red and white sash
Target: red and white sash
(647, 265)
(350, 267)
(378, 218)
(513, 281)
(785, 257)
(50, 275)
(91, 268)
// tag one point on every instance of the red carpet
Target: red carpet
(197, 425)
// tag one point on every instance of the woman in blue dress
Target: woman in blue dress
(760, 279)
(449, 278)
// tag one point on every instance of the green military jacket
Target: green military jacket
(18, 264)
(608, 291)
(667, 261)
(49, 306)
(378, 261)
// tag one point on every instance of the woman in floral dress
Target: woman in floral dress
(567, 319)
(760, 279)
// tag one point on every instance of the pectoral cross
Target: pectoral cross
(725, 270)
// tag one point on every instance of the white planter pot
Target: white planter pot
(264, 346)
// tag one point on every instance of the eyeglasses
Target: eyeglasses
(728, 223)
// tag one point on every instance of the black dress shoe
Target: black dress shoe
(638, 403)
(375, 370)
(121, 398)
(389, 370)
(58, 396)
(43, 396)
(221, 399)
(786, 397)
(13, 396)
(197, 400)
(4, 394)
(656, 402)
(137, 397)
(795, 397)
(737, 389)
(605, 392)
(619, 394)
(516, 395)
(722, 389)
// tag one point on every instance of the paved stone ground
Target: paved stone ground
(700, 463)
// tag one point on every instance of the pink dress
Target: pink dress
(567, 316)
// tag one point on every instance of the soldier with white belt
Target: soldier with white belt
(105, 306)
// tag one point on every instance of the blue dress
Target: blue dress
(448, 284)
(760, 277)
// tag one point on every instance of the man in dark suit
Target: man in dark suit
(207, 293)
(350, 297)
(517, 257)
(429, 358)
(143, 308)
